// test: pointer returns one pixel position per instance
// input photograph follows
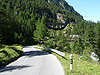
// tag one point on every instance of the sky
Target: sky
(89, 9)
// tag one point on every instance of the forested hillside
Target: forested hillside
(7, 28)
(25, 16)
(25, 22)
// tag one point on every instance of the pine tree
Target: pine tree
(90, 36)
(80, 46)
(44, 28)
(97, 48)
(8, 8)
(41, 30)
(61, 42)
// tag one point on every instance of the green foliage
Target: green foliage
(37, 32)
(86, 54)
(9, 54)
(19, 19)
(97, 42)
(6, 28)
(80, 65)
(24, 22)
(41, 30)
(77, 46)
(90, 35)
(58, 41)
(61, 42)
(49, 43)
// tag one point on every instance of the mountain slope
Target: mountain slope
(30, 15)
(51, 7)
(63, 4)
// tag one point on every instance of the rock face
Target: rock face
(63, 4)
(60, 17)
(48, 1)
(94, 56)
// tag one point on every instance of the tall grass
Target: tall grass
(9, 54)
(80, 66)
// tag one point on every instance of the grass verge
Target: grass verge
(9, 54)
(80, 66)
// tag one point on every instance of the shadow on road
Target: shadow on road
(11, 68)
(27, 54)
(34, 53)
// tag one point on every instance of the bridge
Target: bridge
(57, 26)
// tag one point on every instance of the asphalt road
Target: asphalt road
(34, 62)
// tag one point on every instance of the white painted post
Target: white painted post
(71, 62)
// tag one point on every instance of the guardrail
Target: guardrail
(53, 50)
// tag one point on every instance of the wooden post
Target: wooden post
(71, 62)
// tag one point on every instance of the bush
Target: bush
(77, 46)
(63, 46)
(86, 54)
(49, 43)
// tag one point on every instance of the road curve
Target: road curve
(34, 62)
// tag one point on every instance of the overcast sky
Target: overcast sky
(89, 9)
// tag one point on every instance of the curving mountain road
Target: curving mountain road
(34, 62)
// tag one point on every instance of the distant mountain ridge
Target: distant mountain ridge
(63, 4)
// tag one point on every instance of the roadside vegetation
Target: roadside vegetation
(22, 23)
(25, 22)
(9, 53)
(80, 66)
